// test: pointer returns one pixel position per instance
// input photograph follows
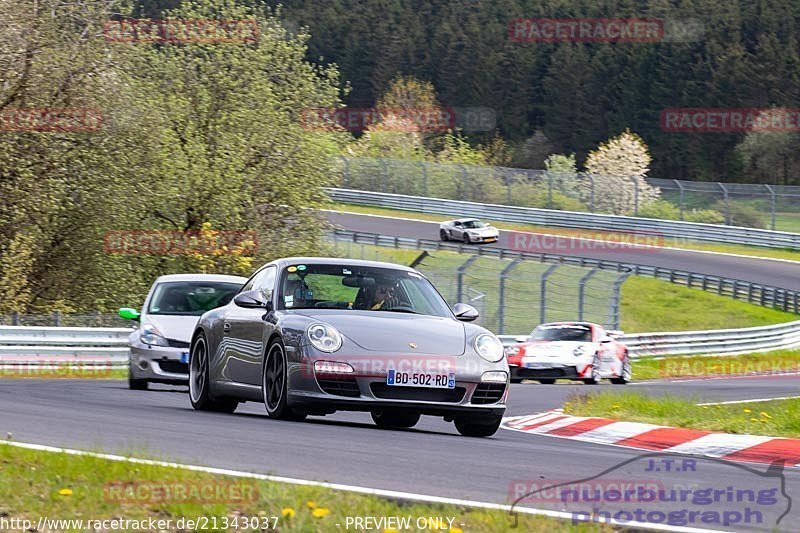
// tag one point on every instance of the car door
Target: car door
(607, 349)
(244, 333)
(457, 230)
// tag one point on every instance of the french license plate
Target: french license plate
(184, 357)
(421, 379)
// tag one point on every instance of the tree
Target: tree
(771, 156)
(618, 168)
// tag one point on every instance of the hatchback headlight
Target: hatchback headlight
(489, 347)
(151, 336)
(324, 338)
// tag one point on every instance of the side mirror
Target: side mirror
(129, 313)
(465, 313)
(521, 338)
(254, 299)
(605, 339)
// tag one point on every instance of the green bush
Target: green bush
(660, 209)
(529, 195)
(706, 216)
(741, 214)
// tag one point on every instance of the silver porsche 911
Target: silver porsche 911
(468, 230)
(310, 336)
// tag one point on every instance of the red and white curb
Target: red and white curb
(650, 437)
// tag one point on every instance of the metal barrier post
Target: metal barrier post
(582, 290)
(635, 196)
(591, 194)
(727, 204)
(680, 200)
(346, 172)
(549, 190)
(385, 175)
(616, 298)
(543, 292)
(772, 204)
(460, 276)
(464, 184)
(424, 178)
(501, 296)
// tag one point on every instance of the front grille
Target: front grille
(488, 393)
(173, 367)
(340, 386)
(173, 343)
(418, 394)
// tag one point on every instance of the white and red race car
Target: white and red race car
(580, 351)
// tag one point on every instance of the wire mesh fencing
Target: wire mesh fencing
(766, 206)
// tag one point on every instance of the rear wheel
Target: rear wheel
(443, 235)
(478, 426)
(274, 386)
(386, 418)
(199, 381)
(626, 374)
(548, 381)
(595, 376)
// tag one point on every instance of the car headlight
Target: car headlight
(324, 338)
(151, 336)
(489, 347)
(580, 350)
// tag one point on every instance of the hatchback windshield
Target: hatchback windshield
(190, 297)
(562, 333)
(362, 288)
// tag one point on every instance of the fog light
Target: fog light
(331, 367)
(495, 376)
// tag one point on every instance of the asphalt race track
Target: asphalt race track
(782, 274)
(347, 448)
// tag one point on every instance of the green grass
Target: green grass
(779, 361)
(65, 372)
(647, 304)
(57, 485)
(785, 222)
(779, 418)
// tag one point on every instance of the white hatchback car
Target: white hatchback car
(160, 344)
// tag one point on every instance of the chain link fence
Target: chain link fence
(775, 207)
(511, 295)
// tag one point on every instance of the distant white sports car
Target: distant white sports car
(468, 230)
(580, 351)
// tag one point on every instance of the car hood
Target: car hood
(393, 333)
(483, 231)
(549, 350)
(177, 327)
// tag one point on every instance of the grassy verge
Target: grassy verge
(779, 361)
(647, 304)
(65, 372)
(775, 253)
(780, 418)
(38, 483)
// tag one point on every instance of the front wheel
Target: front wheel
(478, 426)
(595, 376)
(199, 381)
(136, 384)
(274, 386)
(626, 374)
(386, 418)
(467, 240)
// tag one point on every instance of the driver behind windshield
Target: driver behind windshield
(383, 296)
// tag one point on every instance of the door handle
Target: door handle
(226, 327)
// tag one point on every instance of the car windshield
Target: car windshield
(191, 298)
(562, 333)
(325, 286)
(474, 224)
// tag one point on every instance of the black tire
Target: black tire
(516, 380)
(274, 384)
(200, 383)
(547, 381)
(386, 418)
(595, 379)
(135, 383)
(443, 235)
(626, 372)
(478, 426)
(466, 238)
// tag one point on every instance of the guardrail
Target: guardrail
(764, 295)
(46, 346)
(711, 342)
(569, 219)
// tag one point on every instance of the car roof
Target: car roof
(568, 323)
(468, 219)
(338, 261)
(201, 277)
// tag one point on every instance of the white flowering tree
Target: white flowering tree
(618, 168)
